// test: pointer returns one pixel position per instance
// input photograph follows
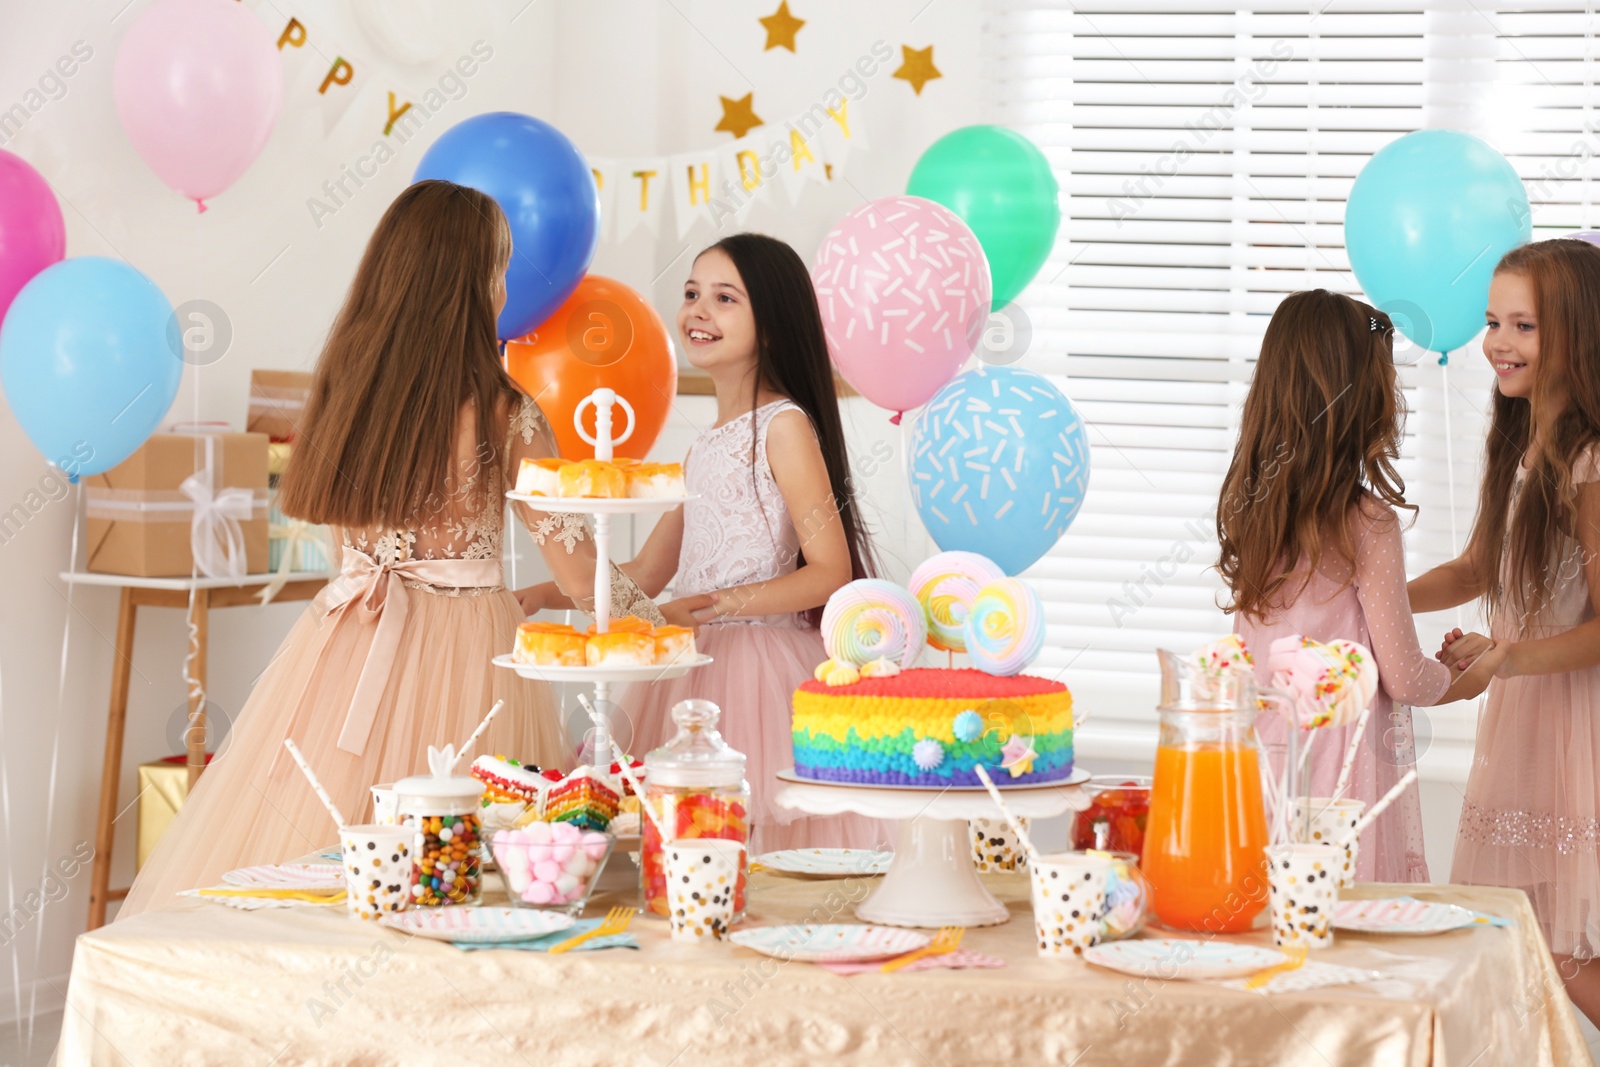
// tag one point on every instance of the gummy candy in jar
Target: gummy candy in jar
(696, 783)
(447, 867)
(1115, 819)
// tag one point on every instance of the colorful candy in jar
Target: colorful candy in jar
(690, 815)
(1115, 818)
(449, 863)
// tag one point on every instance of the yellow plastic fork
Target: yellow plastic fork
(1296, 957)
(946, 941)
(616, 921)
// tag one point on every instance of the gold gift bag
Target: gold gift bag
(163, 785)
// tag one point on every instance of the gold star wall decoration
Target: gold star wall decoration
(781, 27)
(917, 67)
(739, 116)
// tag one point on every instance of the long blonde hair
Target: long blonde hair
(412, 347)
(1320, 430)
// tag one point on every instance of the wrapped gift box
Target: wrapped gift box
(146, 514)
(277, 402)
(295, 545)
(163, 785)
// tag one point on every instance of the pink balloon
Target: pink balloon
(198, 86)
(32, 235)
(903, 287)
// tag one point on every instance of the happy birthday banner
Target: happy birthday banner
(713, 185)
(719, 183)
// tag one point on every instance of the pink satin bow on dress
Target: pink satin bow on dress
(376, 594)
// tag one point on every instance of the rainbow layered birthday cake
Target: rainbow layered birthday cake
(868, 717)
(929, 727)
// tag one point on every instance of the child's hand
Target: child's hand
(1475, 679)
(1450, 635)
(686, 611)
(1462, 649)
(534, 598)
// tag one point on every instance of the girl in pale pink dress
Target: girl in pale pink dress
(394, 655)
(775, 530)
(1312, 482)
(1531, 815)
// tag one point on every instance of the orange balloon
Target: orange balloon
(604, 336)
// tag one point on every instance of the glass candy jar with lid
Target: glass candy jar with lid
(448, 847)
(696, 783)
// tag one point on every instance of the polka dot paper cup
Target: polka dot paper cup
(384, 804)
(1069, 902)
(1303, 881)
(995, 847)
(701, 875)
(377, 868)
(1332, 820)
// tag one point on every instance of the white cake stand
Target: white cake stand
(932, 881)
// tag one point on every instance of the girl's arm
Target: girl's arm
(565, 540)
(1447, 585)
(1408, 675)
(650, 570)
(802, 477)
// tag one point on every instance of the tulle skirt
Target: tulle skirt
(1391, 848)
(1531, 818)
(756, 671)
(252, 805)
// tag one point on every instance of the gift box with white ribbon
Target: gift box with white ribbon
(185, 502)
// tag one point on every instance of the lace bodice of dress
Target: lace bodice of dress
(738, 531)
(458, 526)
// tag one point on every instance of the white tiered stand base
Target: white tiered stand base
(932, 881)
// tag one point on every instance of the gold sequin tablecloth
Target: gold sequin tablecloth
(198, 983)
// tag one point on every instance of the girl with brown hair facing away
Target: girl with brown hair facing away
(1531, 815)
(1311, 545)
(413, 433)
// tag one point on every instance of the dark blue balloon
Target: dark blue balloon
(999, 465)
(544, 185)
(85, 362)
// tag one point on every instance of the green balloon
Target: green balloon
(1002, 186)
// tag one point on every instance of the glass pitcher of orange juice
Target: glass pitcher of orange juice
(1204, 839)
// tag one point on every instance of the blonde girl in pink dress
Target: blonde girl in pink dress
(394, 655)
(775, 531)
(1310, 545)
(1531, 815)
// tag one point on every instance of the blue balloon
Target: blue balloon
(999, 465)
(544, 185)
(85, 362)
(1428, 218)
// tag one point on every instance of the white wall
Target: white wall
(621, 77)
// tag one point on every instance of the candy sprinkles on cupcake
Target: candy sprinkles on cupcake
(870, 717)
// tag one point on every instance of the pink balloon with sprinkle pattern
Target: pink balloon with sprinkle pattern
(904, 291)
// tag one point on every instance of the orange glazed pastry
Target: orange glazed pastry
(621, 649)
(656, 480)
(549, 644)
(538, 477)
(592, 478)
(628, 624)
(674, 643)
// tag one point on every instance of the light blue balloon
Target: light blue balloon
(999, 465)
(85, 363)
(1428, 218)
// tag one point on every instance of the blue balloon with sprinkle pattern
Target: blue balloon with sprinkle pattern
(999, 465)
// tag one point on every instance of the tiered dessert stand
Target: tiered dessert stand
(932, 881)
(602, 678)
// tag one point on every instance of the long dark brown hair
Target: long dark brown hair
(1563, 414)
(412, 348)
(792, 360)
(1320, 430)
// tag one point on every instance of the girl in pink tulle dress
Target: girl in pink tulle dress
(774, 532)
(1530, 818)
(1311, 482)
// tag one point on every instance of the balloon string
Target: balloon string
(194, 689)
(55, 749)
(1450, 463)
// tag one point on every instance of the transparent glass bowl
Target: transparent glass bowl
(535, 878)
